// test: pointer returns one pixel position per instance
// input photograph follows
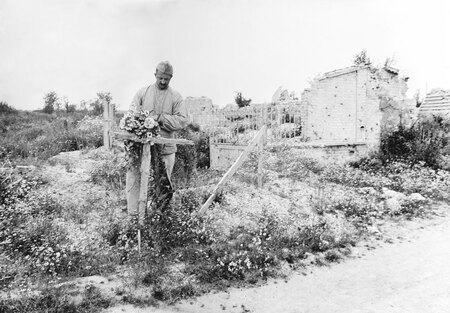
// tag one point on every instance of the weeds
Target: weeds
(56, 300)
(247, 235)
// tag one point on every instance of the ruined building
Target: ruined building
(199, 105)
(353, 104)
(201, 110)
(436, 102)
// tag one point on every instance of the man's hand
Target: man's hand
(155, 117)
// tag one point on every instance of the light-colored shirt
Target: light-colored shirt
(169, 108)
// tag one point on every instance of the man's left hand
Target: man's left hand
(156, 118)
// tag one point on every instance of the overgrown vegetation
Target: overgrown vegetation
(427, 140)
(5, 108)
(40, 136)
(312, 210)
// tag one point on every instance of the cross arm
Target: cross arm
(123, 135)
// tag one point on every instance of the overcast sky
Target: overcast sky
(80, 47)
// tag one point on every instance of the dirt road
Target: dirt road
(408, 271)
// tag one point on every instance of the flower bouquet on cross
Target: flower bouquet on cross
(141, 124)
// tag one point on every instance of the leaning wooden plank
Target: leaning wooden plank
(232, 169)
(260, 163)
(126, 135)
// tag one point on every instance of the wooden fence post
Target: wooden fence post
(106, 125)
(265, 114)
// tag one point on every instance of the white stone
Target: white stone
(416, 197)
(392, 204)
(388, 194)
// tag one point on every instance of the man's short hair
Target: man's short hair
(165, 67)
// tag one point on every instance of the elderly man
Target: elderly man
(166, 107)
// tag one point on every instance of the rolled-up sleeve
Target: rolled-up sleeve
(178, 119)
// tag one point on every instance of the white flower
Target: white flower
(150, 123)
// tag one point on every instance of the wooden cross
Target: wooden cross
(145, 166)
(146, 160)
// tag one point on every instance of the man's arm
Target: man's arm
(137, 100)
(177, 120)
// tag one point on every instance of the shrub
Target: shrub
(424, 141)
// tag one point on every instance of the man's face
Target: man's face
(162, 80)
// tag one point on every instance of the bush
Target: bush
(424, 141)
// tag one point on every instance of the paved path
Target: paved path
(409, 275)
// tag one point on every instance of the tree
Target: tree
(361, 59)
(69, 108)
(389, 62)
(6, 108)
(105, 96)
(97, 105)
(50, 100)
(241, 101)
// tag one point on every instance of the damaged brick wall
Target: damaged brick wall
(355, 103)
(201, 110)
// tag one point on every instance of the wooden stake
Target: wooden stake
(106, 125)
(139, 240)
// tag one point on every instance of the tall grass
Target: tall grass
(38, 135)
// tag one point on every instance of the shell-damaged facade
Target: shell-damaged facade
(353, 104)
